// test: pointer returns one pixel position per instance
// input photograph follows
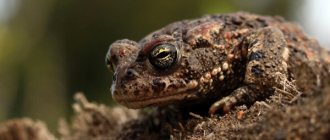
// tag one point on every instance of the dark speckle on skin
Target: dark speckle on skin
(256, 70)
(202, 43)
(158, 84)
(136, 93)
(256, 55)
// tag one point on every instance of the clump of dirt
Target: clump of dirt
(94, 121)
(306, 117)
(24, 129)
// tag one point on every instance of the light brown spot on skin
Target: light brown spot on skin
(198, 37)
(285, 65)
(216, 71)
(285, 54)
(207, 76)
(227, 36)
(192, 84)
(202, 80)
(221, 77)
(255, 49)
(225, 66)
(240, 115)
(231, 56)
(243, 31)
(211, 81)
(220, 47)
(203, 31)
(215, 29)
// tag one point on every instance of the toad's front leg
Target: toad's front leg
(267, 56)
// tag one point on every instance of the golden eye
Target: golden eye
(163, 56)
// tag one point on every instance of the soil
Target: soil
(308, 117)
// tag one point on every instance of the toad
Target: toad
(226, 59)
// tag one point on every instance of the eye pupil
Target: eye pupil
(163, 56)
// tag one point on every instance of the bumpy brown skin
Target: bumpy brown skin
(227, 59)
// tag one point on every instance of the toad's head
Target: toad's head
(171, 65)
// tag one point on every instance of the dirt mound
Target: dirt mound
(308, 117)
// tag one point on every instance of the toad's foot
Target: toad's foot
(241, 95)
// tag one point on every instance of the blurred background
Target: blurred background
(51, 49)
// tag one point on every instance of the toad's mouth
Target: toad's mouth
(135, 103)
(167, 96)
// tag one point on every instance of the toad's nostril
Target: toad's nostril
(114, 77)
(114, 60)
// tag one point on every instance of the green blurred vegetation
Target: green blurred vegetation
(51, 49)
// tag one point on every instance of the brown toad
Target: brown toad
(225, 59)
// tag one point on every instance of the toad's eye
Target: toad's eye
(163, 56)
